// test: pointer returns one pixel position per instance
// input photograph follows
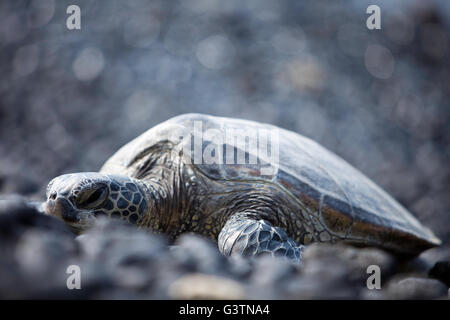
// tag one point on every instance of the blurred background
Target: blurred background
(378, 98)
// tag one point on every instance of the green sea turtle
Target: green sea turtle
(252, 187)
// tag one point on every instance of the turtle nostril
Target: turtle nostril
(53, 195)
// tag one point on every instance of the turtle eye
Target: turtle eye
(93, 198)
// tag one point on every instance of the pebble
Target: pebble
(336, 257)
(18, 215)
(417, 288)
(441, 271)
(202, 286)
(197, 254)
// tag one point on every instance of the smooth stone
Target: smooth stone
(203, 286)
(417, 288)
(441, 271)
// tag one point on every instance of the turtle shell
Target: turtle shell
(350, 206)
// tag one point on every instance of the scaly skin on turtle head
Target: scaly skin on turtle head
(79, 198)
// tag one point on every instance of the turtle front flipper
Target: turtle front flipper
(247, 236)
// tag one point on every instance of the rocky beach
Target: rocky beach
(69, 99)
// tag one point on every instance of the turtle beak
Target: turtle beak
(61, 208)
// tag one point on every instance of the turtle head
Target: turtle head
(79, 198)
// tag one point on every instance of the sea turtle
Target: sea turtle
(254, 188)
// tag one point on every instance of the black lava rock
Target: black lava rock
(194, 253)
(116, 243)
(18, 215)
(417, 288)
(441, 271)
(36, 251)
